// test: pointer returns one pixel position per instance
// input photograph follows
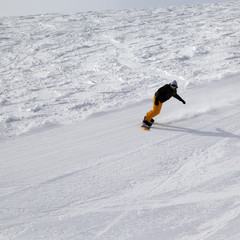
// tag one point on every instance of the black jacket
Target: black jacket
(165, 93)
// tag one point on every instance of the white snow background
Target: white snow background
(74, 164)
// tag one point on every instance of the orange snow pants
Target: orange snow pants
(156, 110)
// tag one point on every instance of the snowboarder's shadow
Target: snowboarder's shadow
(218, 133)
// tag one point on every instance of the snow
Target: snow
(74, 163)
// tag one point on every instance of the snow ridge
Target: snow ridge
(58, 69)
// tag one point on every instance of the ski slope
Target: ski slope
(74, 163)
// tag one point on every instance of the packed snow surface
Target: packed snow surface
(74, 164)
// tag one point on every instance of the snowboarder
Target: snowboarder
(162, 95)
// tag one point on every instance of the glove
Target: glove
(183, 102)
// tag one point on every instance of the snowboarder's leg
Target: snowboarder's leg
(156, 110)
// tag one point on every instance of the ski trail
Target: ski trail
(137, 202)
(115, 221)
(214, 225)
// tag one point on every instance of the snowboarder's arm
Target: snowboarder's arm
(179, 98)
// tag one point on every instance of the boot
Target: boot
(149, 124)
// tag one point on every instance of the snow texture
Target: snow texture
(74, 164)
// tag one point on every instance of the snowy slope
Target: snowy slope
(57, 69)
(93, 174)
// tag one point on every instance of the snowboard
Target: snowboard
(145, 127)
